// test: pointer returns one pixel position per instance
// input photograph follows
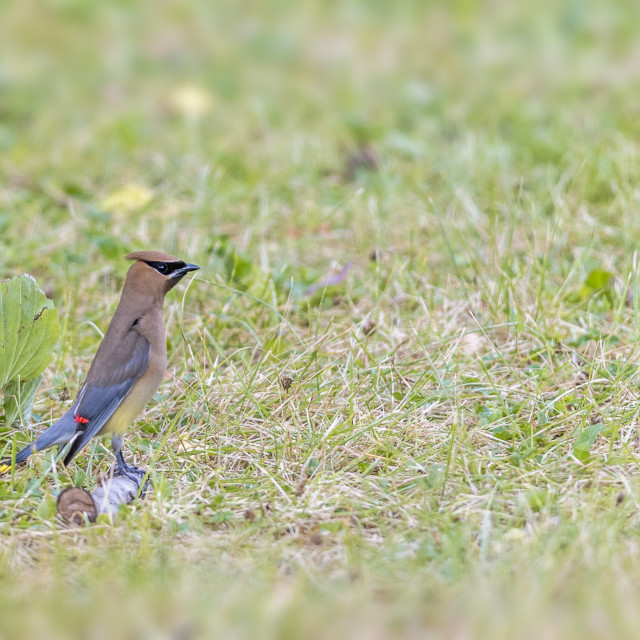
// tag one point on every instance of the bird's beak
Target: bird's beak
(184, 270)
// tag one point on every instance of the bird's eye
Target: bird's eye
(165, 268)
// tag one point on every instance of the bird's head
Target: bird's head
(156, 271)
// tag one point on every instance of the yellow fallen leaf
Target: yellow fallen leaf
(191, 101)
(127, 199)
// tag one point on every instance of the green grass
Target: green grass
(442, 444)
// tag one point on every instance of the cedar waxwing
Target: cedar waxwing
(128, 367)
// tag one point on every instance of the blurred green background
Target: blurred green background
(247, 115)
(476, 164)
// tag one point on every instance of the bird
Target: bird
(127, 369)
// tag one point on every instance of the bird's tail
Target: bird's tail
(59, 432)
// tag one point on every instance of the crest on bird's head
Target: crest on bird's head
(151, 256)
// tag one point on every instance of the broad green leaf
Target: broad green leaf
(597, 282)
(584, 442)
(28, 330)
(598, 279)
(502, 433)
(18, 399)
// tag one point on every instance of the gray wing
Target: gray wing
(106, 387)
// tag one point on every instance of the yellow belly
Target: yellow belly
(132, 405)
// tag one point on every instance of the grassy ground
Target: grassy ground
(444, 442)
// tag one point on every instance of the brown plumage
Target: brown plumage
(128, 366)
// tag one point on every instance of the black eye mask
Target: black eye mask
(166, 268)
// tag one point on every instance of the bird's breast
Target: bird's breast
(137, 398)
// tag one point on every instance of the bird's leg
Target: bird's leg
(130, 471)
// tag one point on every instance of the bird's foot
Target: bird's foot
(132, 472)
